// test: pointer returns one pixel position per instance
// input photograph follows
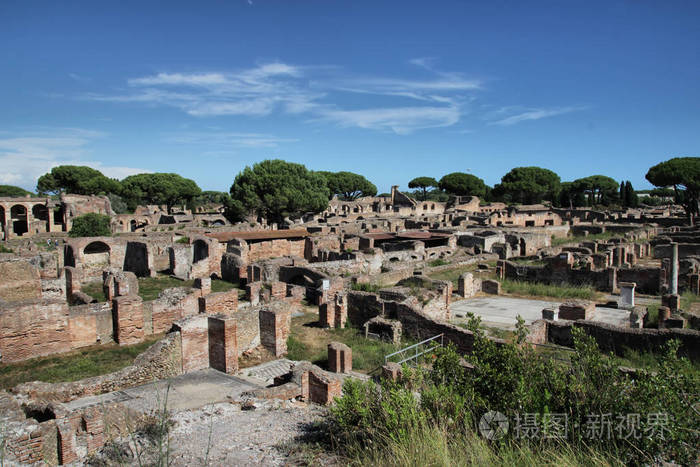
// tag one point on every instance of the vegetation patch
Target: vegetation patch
(309, 342)
(366, 287)
(552, 408)
(533, 289)
(151, 287)
(84, 363)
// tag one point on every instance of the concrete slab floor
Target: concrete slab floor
(188, 391)
(501, 312)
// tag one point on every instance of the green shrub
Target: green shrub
(4, 249)
(91, 225)
(366, 287)
(183, 240)
(590, 395)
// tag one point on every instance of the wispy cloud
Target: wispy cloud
(401, 120)
(257, 91)
(403, 105)
(518, 114)
(25, 157)
(230, 140)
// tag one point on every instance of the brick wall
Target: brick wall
(33, 328)
(219, 303)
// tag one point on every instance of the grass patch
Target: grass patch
(151, 287)
(652, 320)
(4, 249)
(438, 262)
(72, 366)
(431, 444)
(366, 287)
(687, 300)
(183, 240)
(452, 275)
(533, 289)
(309, 342)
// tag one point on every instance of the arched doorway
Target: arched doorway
(96, 254)
(18, 214)
(200, 250)
(41, 213)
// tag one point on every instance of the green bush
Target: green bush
(91, 225)
(598, 405)
(366, 287)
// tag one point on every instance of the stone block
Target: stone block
(577, 309)
(339, 358)
(627, 294)
(223, 345)
(320, 388)
(672, 301)
(278, 290)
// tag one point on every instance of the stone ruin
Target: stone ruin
(389, 245)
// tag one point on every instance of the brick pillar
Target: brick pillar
(252, 290)
(274, 329)
(694, 283)
(127, 319)
(465, 285)
(194, 335)
(341, 310)
(203, 284)
(391, 371)
(326, 315)
(223, 345)
(72, 277)
(339, 358)
(95, 428)
(66, 443)
(278, 290)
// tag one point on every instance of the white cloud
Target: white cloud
(229, 139)
(404, 105)
(401, 120)
(517, 115)
(25, 158)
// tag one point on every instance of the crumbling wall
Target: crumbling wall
(162, 360)
(20, 280)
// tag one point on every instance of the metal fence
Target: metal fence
(411, 353)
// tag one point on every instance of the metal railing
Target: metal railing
(411, 353)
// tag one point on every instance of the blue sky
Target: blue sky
(389, 89)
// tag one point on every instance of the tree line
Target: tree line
(275, 189)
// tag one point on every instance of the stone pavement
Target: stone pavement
(501, 312)
(188, 391)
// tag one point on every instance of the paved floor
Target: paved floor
(188, 391)
(265, 373)
(502, 311)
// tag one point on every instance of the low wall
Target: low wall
(160, 361)
(618, 339)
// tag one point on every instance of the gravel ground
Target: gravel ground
(239, 437)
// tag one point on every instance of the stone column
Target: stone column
(673, 281)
